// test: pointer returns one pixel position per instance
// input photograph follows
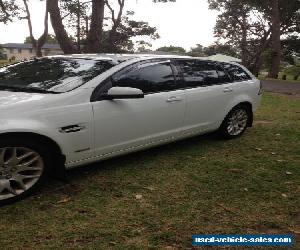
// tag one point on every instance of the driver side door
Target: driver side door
(122, 125)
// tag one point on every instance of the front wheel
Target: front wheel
(23, 167)
(235, 123)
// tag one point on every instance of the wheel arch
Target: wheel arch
(54, 147)
(249, 107)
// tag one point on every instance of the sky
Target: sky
(184, 23)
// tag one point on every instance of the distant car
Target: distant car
(65, 111)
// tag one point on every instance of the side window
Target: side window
(197, 73)
(223, 75)
(236, 73)
(149, 77)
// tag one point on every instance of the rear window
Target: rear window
(197, 73)
(236, 72)
(53, 74)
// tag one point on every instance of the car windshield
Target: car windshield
(53, 75)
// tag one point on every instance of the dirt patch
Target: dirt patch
(262, 122)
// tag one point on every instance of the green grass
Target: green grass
(201, 185)
(5, 62)
(289, 78)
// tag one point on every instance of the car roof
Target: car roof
(119, 57)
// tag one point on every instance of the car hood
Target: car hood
(8, 98)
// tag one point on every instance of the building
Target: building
(22, 51)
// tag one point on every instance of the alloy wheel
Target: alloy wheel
(237, 122)
(20, 170)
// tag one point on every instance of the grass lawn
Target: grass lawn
(289, 78)
(158, 198)
(3, 62)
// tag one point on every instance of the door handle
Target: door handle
(227, 90)
(174, 99)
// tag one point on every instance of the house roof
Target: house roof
(28, 46)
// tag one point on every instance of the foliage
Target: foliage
(2, 56)
(217, 48)
(172, 49)
(248, 25)
(291, 48)
(50, 39)
(8, 10)
(292, 70)
(128, 35)
(118, 35)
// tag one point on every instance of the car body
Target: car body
(131, 103)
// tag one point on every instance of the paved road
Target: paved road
(283, 87)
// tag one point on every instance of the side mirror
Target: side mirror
(124, 93)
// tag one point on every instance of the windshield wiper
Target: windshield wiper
(26, 89)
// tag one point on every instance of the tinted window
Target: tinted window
(55, 74)
(236, 73)
(149, 77)
(223, 75)
(199, 73)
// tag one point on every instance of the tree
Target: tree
(61, 34)
(94, 36)
(197, 51)
(95, 33)
(8, 10)
(37, 44)
(123, 37)
(219, 48)
(241, 26)
(172, 49)
(2, 56)
(76, 18)
(254, 26)
(51, 39)
(116, 22)
(284, 18)
(290, 48)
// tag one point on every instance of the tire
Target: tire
(236, 122)
(24, 166)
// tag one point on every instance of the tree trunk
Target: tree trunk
(64, 41)
(112, 48)
(94, 36)
(244, 42)
(276, 43)
(43, 38)
(29, 23)
(78, 25)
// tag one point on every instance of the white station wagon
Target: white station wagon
(61, 112)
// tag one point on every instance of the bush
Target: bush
(292, 70)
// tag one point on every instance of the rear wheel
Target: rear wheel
(23, 168)
(236, 122)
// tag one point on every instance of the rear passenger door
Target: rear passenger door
(208, 93)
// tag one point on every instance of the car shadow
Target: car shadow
(157, 150)
(70, 185)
